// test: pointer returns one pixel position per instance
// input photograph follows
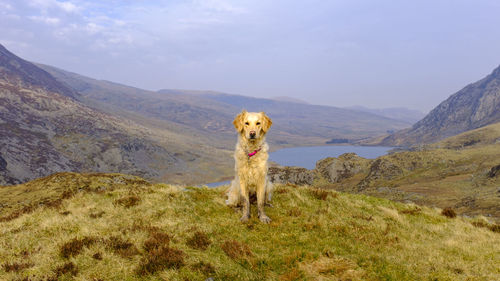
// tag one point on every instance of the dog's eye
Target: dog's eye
(246, 123)
(258, 123)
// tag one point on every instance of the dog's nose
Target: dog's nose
(252, 134)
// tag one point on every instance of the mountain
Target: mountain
(45, 128)
(210, 113)
(289, 99)
(119, 227)
(397, 113)
(304, 120)
(15, 70)
(475, 106)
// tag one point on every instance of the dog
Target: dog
(250, 157)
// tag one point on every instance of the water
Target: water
(306, 157)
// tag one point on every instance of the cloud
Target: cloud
(45, 19)
(68, 7)
(45, 5)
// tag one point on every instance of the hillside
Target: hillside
(483, 136)
(294, 118)
(398, 113)
(475, 106)
(461, 172)
(44, 128)
(211, 113)
(118, 227)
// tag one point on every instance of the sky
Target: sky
(377, 54)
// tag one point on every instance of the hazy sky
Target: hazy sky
(374, 53)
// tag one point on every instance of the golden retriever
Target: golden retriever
(250, 158)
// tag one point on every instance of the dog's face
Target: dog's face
(252, 125)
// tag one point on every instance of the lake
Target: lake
(306, 157)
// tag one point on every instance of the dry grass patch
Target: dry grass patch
(66, 268)
(334, 268)
(199, 241)
(448, 212)
(204, 267)
(156, 240)
(128, 201)
(16, 266)
(158, 255)
(412, 211)
(319, 194)
(75, 246)
(97, 256)
(236, 250)
(121, 247)
(159, 259)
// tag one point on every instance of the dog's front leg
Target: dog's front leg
(261, 199)
(246, 201)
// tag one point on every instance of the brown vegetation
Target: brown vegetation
(128, 201)
(16, 266)
(158, 255)
(448, 212)
(236, 250)
(199, 241)
(75, 246)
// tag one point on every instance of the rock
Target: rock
(335, 170)
(3, 164)
(383, 168)
(293, 175)
(494, 172)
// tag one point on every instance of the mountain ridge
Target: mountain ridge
(474, 106)
(47, 128)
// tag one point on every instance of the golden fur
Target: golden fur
(251, 171)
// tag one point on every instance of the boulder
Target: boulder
(293, 175)
(336, 170)
(494, 172)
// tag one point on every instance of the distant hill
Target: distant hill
(476, 105)
(45, 128)
(210, 113)
(289, 99)
(397, 113)
(306, 120)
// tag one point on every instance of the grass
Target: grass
(464, 180)
(178, 233)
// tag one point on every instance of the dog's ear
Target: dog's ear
(266, 122)
(238, 121)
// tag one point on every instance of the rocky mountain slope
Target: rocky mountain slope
(119, 227)
(476, 105)
(461, 172)
(399, 113)
(44, 128)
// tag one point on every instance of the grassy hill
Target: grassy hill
(460, 172)
(118, 227)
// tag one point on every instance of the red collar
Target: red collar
(253, 153)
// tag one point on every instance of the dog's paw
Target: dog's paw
(245, 218)
(265, 219)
